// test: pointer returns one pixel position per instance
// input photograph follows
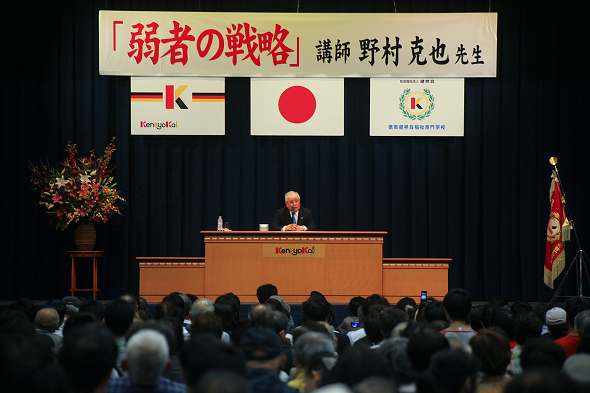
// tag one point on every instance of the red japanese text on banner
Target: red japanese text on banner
(149, 43)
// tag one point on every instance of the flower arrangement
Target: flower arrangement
(79, 188)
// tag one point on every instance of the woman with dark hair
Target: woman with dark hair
(492, 348)
(450, 371)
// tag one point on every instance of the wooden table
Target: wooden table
(337, 264)
(85, 254)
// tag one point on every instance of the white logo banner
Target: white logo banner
(297, 106)
(177, 106)
(148, 43)
(417, 107)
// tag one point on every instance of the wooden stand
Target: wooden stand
(85, 254)
(336, 264)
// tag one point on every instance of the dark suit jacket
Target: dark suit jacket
(283, 217)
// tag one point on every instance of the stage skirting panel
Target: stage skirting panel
(340, 265)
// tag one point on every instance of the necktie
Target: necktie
(294, 218)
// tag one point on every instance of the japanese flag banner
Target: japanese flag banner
(558, 230)
(297, 106)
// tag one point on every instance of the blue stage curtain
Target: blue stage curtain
(481, 200)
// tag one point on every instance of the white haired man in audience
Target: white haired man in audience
(147, 358)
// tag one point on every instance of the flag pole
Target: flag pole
(580, 254)
(553, 161)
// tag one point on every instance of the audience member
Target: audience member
(286, 309)
(555, 322)
(358, 363)
(28, 364)
(167, 308)
(14, 322)
(540, 309)
(373, 333)
(146, 360)
(59, 306)
(526, 326)
(486, 312)
(577, 367)
(132, 300)
(492, 348)
(375, 385)
(395, 352)
(265, 291)
(573, 306)
(370, 334)
(208, 322)
(407, 356)
(72, 304)
(89, 355)
(423, 343)
(46, 322)
(582, 322)
(351, 322)
(204, 353)
(118, 317)
(257, 312)
(142, 304)
(317, 370)
(93, 306)
(475, 319)
(223, 382)
(449, 371)
(317, 309)
(308, 345)
(519, 306)
(171, 328)
(231, 315)
(264, 361)
(407, 305)
(25, 306)
(278, 322)
(434, 311)
(389, 318)
(457, 304)
(541, 353)
(541, 381)
(503, 319)
(78, 319)
(202, 305)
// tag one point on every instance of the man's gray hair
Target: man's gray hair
(202, 305)
(291, 192)
(147, 355)
(257, 311)
(311, 343)
(582, 322)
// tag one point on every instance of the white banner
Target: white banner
(297, 106)
(147, 43)
(417, 107)
(177, 106)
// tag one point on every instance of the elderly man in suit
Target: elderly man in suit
(293, 217)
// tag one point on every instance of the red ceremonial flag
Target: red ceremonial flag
(557, 232)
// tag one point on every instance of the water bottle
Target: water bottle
(220, 224)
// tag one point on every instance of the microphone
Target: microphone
(553, 161)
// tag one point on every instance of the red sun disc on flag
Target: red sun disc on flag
(297, 104)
